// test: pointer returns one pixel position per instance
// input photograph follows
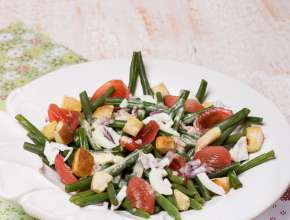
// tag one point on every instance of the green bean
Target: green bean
(141, 114)
(86, 106)
(177, 118)
(35, 139)
(172, 200)
(91, 199)
(192, 135)
(33, 148)
(167, 206)
(159, 98)
(234, 180)
(255, 162)
(233, 139)
(225, 134)
(174, 178)
(144, 80)
(190, 185)
(157, 209)
(147, 148)
(80, 185)
(81, 194)
(200, 95)
(83, 139)
(180, 102)
(136, 103)
(190, 117)
(134, 211)
(117, 150)
(191, 152)
(156, 153)
(101, 100)
(254, 120)
(234, 119)
(163, 133)
(195, 204)
(224, 171)
(30, 127)
(112, 194)
(188, 140)
(117, 124)
(183, 189)
(133, 74)
(204, 192)
(127, 162)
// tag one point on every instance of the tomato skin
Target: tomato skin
(177, 163)
(147, 135)
(210, 118)
(121, 90)
(71, 118)
(216, 157)
(190, 105)
(140, 194)
(64, 171)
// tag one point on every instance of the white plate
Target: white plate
(262, 185)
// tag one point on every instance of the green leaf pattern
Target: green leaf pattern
(25, 55)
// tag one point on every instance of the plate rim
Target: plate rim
(14, 92)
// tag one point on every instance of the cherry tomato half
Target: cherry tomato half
(190, 105)
(64, 171)
(211, 117)
(140, 194)
(146, 136)
(121, 90)
(177, 163)
(216, 157)
(71, 118)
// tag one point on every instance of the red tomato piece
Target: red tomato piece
(190, 105)
(129, 144)
(146, 136)
(177, 163)
(64, 171)
(140, 194)
(71, 118)
(211, 117)
(121, 90)
(216, 157)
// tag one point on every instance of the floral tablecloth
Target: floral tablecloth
(26, 55)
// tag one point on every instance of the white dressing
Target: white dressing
(163, 186)
(240, 152)
(164, 121)
(99, 136)
(210, 185)
(52, 149)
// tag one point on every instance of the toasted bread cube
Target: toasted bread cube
(83, 163)
(49, 130)
(71, 104)
(133, 126)
(182, 200)
(165, 144)
(255, 138)
(63, 133)
(105, 111)
(223, 182)
(100, 181)
(160, 88)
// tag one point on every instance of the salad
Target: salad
(145, 154)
